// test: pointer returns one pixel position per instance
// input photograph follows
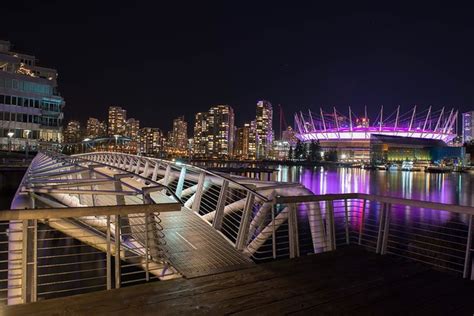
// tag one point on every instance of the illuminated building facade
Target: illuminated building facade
(131, 128)
(31, 109)
(245, 144)
(350, 134)
(150, 141)
(178, 136)
(72, 134)
(95, 128)
(117, 121)
(264, 128)
(468, 127)
(214, 133)
(200, 134)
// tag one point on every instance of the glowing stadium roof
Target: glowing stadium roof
(334, 125)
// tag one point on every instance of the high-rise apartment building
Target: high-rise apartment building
(31, 109)
(72, 134)
(468, 126)
(132, 126)
(200, 134)
(214, 133)
(150, 141)
(245, 142)
(178, 137)
(264, 128)
(95, 128)
(117, 121)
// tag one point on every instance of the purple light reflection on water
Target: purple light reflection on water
(452, 188)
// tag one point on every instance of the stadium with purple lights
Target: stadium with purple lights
(351, 133)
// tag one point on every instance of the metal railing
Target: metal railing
(47, 253)
(433, 233)
(72, 216)
(268, 220)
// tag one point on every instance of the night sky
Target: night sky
(161, 61)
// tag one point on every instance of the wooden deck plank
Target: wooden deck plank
(347, 281)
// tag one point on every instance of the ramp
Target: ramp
(196, 249)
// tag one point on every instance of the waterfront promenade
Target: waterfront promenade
(348, 281)
(100, 225)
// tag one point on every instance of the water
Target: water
(449, 188)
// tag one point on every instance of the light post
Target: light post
(84, 144)
(27, 131)
(10, 135)
(116, 141)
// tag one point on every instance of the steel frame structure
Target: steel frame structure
(337, 126)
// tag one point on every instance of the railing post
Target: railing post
(380, 234)
(145, 169)
(467, 257)
(179, 186)
(130, 165)
(199, 191)
(346, 218)
(293, 239)
(147, 255)
(274, 249)
(138, 165)
(166, 179)
(242, 235)
(362, 219)
(386, 230)
(117, 251)
(155, 171)
(330, 225)
(219, 214)
(108, 258)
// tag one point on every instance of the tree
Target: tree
(330, 155)
(314, 151)
(300, 151)
(290, 153)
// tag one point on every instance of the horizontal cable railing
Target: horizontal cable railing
(48, 253)
(432, 233)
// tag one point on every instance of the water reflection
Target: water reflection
(452, 188)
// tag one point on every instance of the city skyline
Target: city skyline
(300, 57)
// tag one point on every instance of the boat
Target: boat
(438, 169)
(394, 167)
(381, 167)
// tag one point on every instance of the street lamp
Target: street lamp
(84, 144)
(10, 135)
(27, 131)
(116, 141)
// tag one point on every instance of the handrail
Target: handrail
(46, 213)
(379, 198)
(70, 159)
(195, 168)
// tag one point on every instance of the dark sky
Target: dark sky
(164, 60)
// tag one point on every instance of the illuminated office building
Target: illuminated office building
(150, 141)
(245, 142)
(468, 126)
(72, 134)
(214, 133)
(178, 136)
(132, 127)
(264, 129)
(31, 109)
(117, 121)
(95, 128)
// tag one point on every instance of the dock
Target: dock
(348, 281)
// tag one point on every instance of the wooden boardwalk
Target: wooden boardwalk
(348, 281)
(195, 248)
